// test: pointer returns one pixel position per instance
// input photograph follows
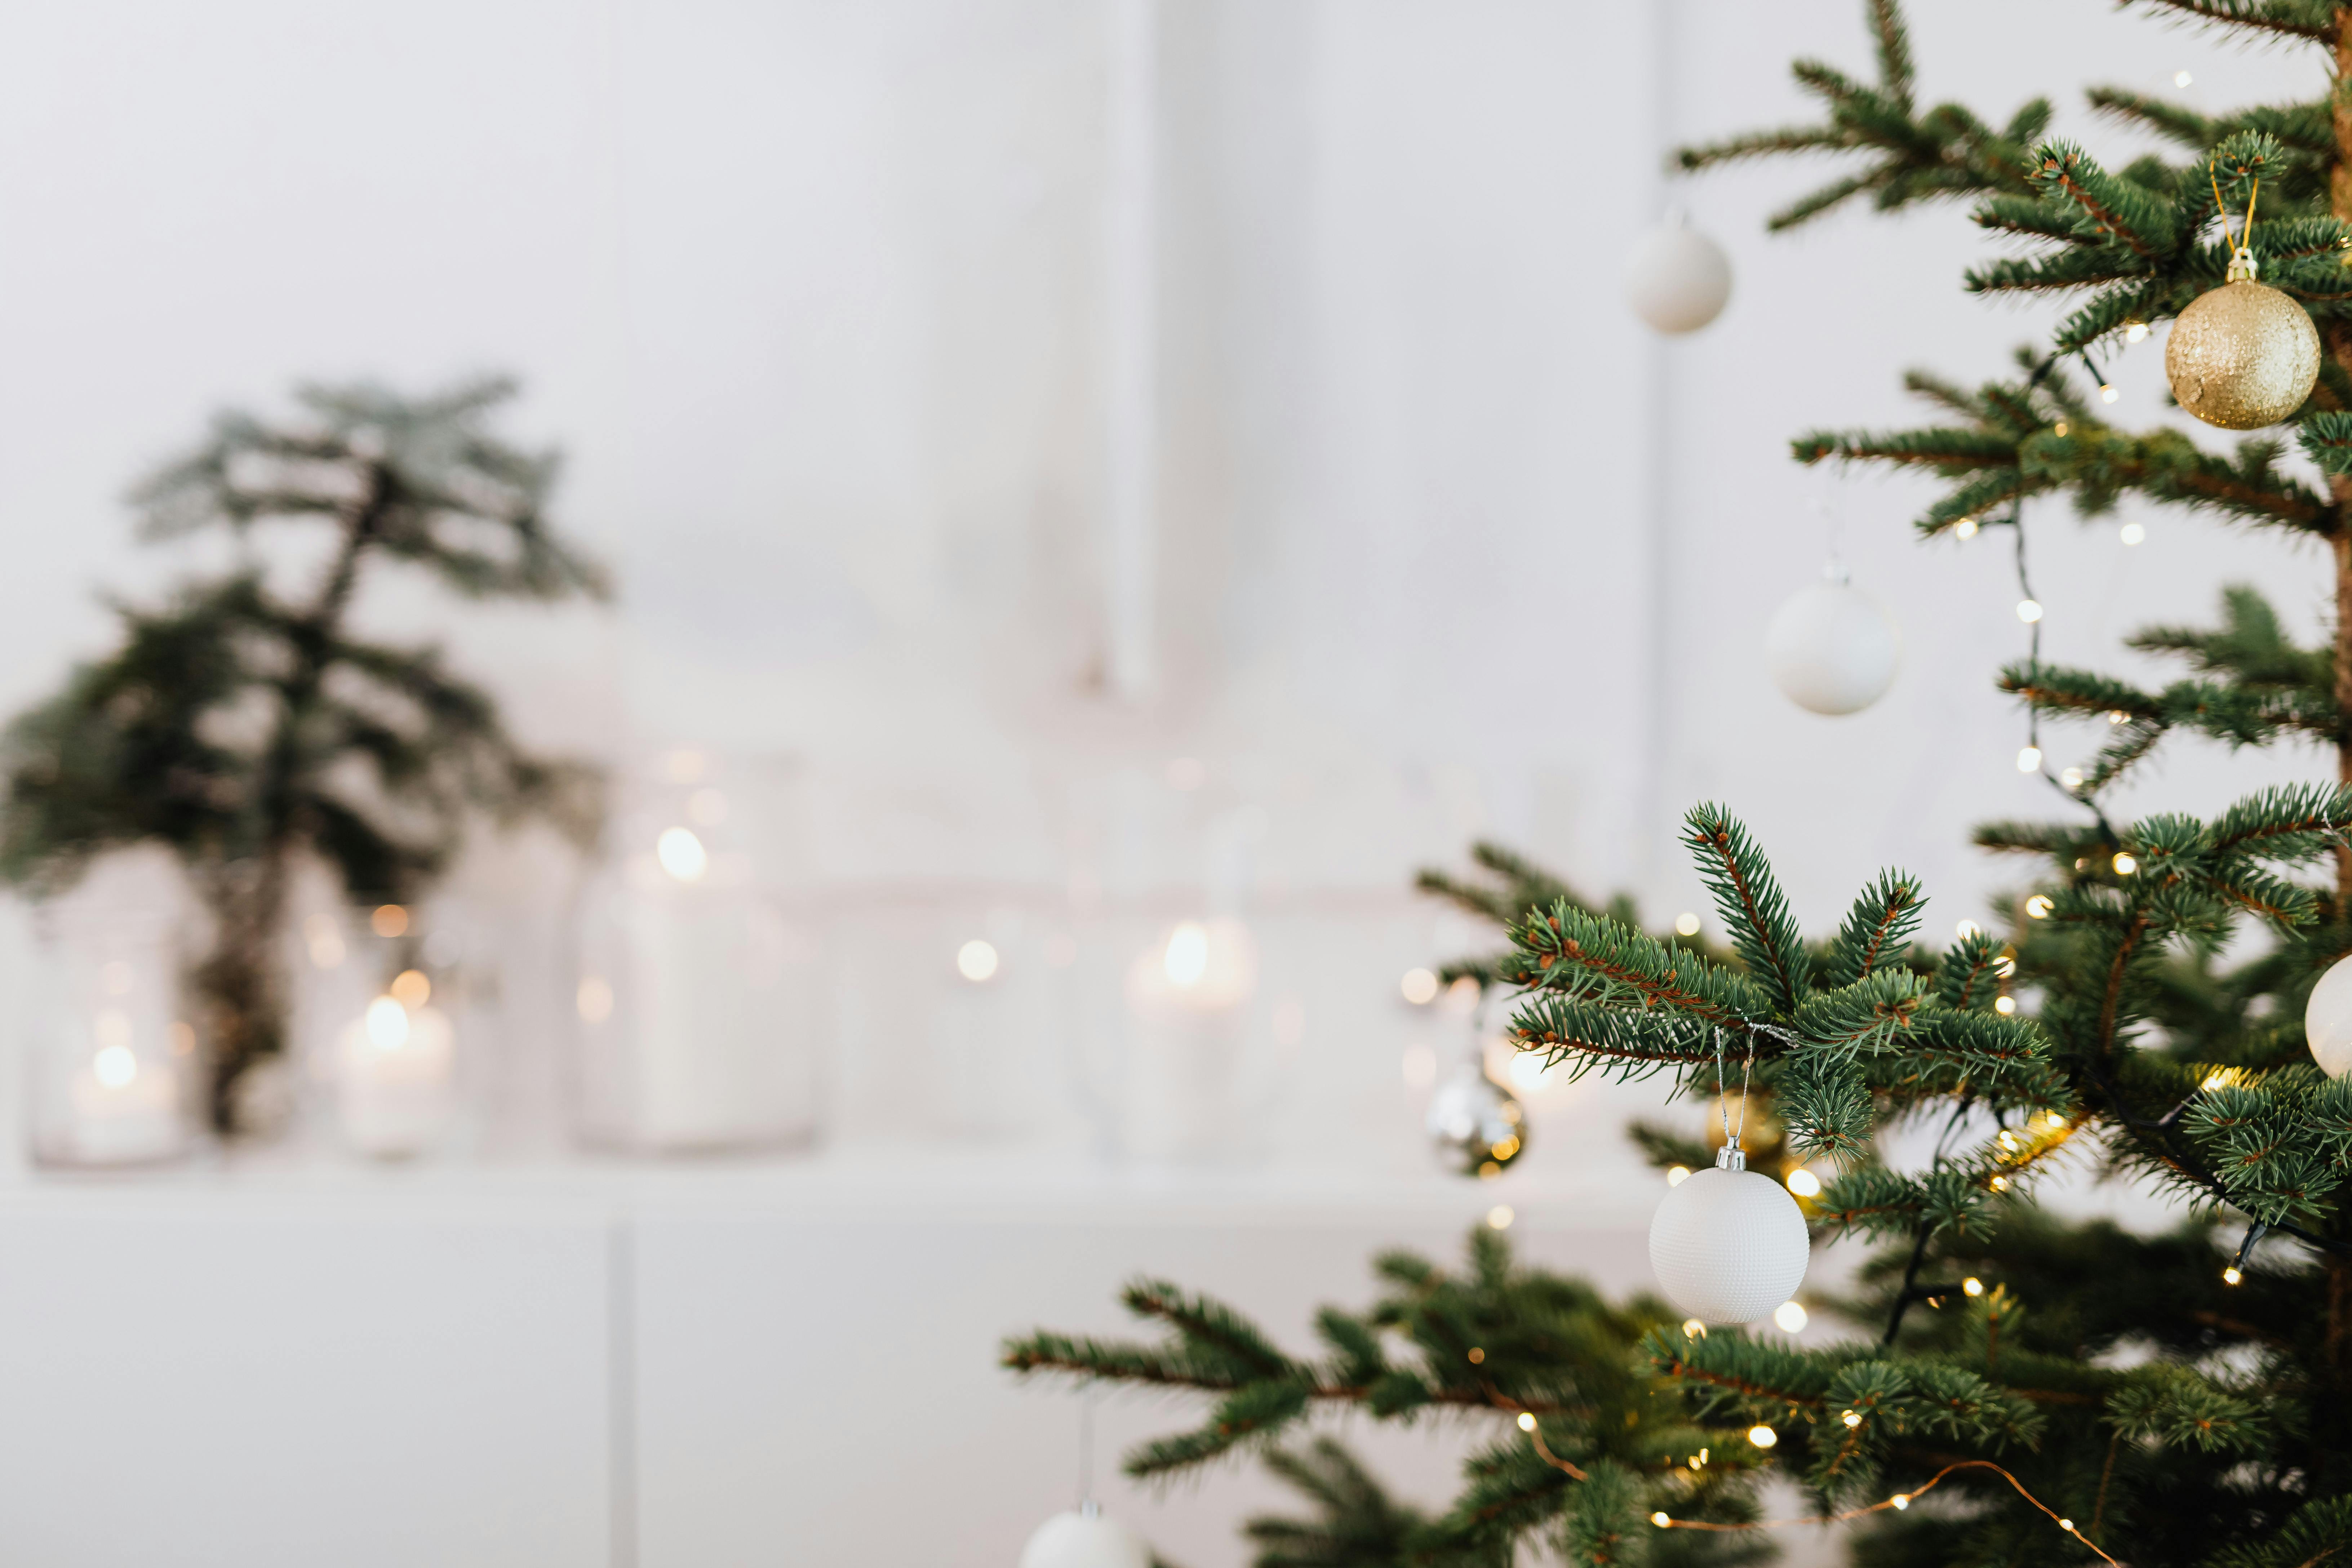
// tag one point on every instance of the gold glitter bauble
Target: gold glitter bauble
(2242, 356)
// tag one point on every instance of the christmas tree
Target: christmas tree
(2021, 1389)
(254, 733)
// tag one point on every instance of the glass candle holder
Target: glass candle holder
(111, 1079)
(696, 976)
(380, 1014)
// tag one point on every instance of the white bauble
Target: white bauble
(1832, 648)
(1085, 1540)
(2327, 1020)
(1676, 278)
(1729, 1245)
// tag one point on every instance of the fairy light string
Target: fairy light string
(1898, 1502)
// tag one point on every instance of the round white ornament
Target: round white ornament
(1832, 647)
(1086, 1539)
(1676, 278)
(2327, 1020)
(1728, 1245)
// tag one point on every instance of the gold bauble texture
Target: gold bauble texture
(2242, 356)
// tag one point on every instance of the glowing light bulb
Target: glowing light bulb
(411, 988)
(2006, 968)
(1499, 1217)
(681, 854)
(2004, 1005)
(1790, 1318)
(1804, 1184)
(2107, 391)
(1687, 923)
(1661, 1520)
(2117, 716)
(1900, 1500)
(2067, 1525)
(1693, 1329)
(1851, 1418)
(976, 960)
(1187, 959)
(2058, 429)
(595, 1000)
(2132, 533)
(388, 920)
(387, 1024)
(2028, 610)
(2071, 777)
(1968, 929)
(1678, 1175)
(2181, 78)
(2126, 864)
(2000, 1184)
(114, 1065)
(2039, 906)
(1419, 985)
(1966, 528)
(2136, 332)
(1972, 1286)
(2029, 760)
(1763, 1436)
(2056, 1120)
(2009, 1139)
(2231, 1276)
(1527, 1422)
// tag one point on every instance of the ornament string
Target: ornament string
(1731, 1135)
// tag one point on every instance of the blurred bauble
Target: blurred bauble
(1474, 1124)
(1676, 278)
(1085, 1540)
(1729, 1245)
(2327, 1020)
(2243, 356)
(1832, 648)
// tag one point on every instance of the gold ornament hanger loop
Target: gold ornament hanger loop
(2243, 267)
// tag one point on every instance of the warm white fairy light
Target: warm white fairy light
(1851, 1418)
(2028, 758)
(2004, 1005)
(1966, 528)
(2038, 908)
(2181, 78)
(2136, 332)
(1693, 1329)
(2028, 610)
(1763, 1436)
(1804, 1184)
(1527, 1422)
(976, 960)
(2132, 533)
(1499, 1217)
(2107, 392)
(2117, 716)
(1678, 1175)
(1687, 923)
(1661, 1520)
(1972, 1286)
(2231, 1276)
(1419, 986)
(1999, 1183)
(1965, 929)
(2126, 864)
(1900, 1500)
(1790, 1318)
(2071, 777)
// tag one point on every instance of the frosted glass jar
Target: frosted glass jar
(696, 986)
(111, 1077)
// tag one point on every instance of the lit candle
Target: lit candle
(123, 1111)
(394, 1089)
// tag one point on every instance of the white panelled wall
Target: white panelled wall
(826, 304)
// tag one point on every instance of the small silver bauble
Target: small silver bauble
(1475, 1123)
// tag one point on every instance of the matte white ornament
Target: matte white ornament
(1676, 278)
(1728, 1245)
(2327, 1020)
(1832, 647)
(1086, 1539)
